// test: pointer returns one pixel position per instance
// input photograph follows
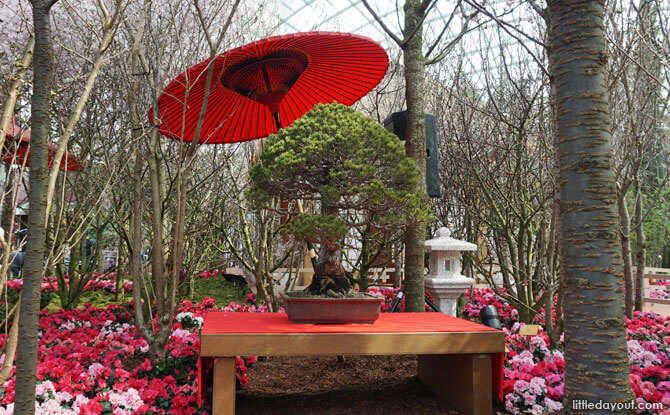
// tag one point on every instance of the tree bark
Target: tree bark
(650, 64)
(158, 253)
(8, 207)
(136, 248)
(97, 254)
(596, 352)
(120, 270)
(329, 274)
(556, 210)
(415, 139)
(11, 342)
(26, 362)
(627, 259)
(641, 250)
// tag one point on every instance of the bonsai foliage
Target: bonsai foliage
(356, 170)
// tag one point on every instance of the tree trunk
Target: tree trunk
(73, 267)
(640, 254)
(259, 264)
(158, 269)
(551, 254)
(135, 247)
(183, 176)
(596, 352)
(625, 253)
(415, 139)
(8, 206)
(11, 342)
(364, 260)
(68, 292)
(99, 235)
(26, 361)
(120, 270)
(556, 210)
(329, 276)
(549, 318)
(163, 289)
(330, 262)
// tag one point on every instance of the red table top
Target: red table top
(278, 323)
(236, 323)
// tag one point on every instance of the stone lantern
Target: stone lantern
(444, 280)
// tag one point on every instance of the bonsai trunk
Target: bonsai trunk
(329, 277)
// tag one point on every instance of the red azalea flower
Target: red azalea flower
(92, 407)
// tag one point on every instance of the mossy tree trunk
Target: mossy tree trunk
(596, 352)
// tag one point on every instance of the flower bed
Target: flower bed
(659, 294)
(533, 375)
(98, 282)
(389, 295)
(93, 361)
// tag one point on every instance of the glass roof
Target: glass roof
(352, 16)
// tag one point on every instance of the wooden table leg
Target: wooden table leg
(461, 380)
(223, 395)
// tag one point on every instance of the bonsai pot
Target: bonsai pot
(316, 310)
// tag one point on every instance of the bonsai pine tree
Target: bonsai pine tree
(357, 172)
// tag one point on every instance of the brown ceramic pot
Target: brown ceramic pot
(331, 310)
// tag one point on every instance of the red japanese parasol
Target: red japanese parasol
(17, 148)
(260, 86)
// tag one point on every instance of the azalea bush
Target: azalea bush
(533, 374)
(93, 361)
(660, 294)
(478, 298)
(389, 294)
(98, 282)
(649, 354)
(90, 360)
(10, 298)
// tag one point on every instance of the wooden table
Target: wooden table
(461, 361)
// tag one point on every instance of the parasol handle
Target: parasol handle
(277, 120)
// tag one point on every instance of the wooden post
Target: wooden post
(461, 380)
(223, 395)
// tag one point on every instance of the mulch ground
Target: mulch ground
(365, 385)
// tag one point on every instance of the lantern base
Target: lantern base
(446, 291)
